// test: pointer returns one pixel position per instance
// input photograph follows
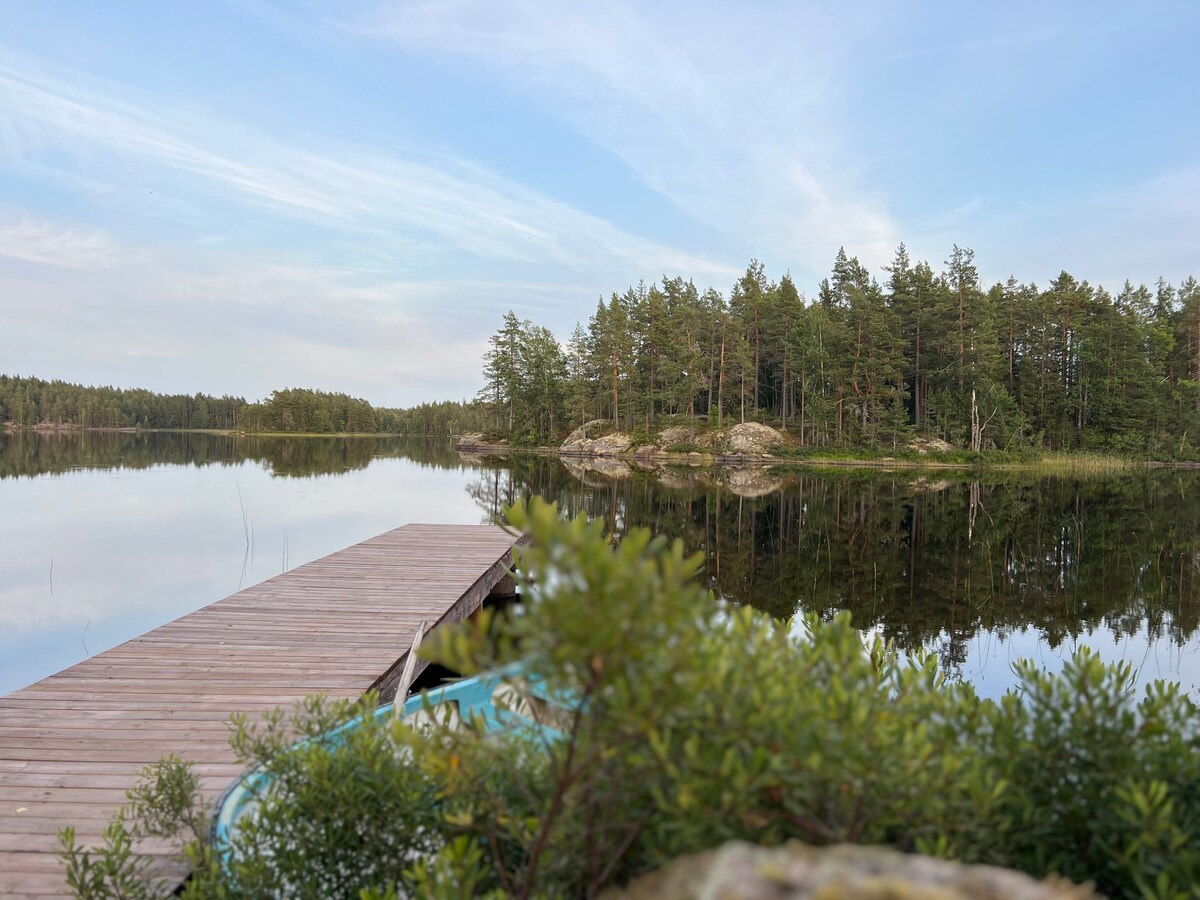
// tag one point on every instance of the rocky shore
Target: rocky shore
(744, 443)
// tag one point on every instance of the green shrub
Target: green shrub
(699, 723)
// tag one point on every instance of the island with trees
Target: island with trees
(919, 357)
(868, 363)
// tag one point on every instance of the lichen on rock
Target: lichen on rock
(580, 434)
(614, 444)
(752, 439)
(675, 435)
(924, 444)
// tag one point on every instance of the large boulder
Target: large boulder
(797, 871)
(476, 441)
(610, 445)
(753, 439)
(578, 443)
(580, 434)
(675, 435)
(924, 445)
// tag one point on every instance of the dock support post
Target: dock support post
(504, 589)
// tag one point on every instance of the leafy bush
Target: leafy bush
(693, 724)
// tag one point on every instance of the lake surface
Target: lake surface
(105, 536)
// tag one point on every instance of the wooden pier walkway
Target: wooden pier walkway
(73, 743)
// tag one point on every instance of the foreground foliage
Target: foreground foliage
(691, 724)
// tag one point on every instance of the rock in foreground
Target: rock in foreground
(797, 871)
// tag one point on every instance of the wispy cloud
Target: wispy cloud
(44, 243)
(731, 118)
(416, 252)
(184, 319)
(1003, 42)
(347, 189)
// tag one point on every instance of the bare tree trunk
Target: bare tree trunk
(616, 407)
(783, 402)
(976, 432)
(721, 383)
(962, 343)
(917, 378)
(710, 378)
(803, 396)
(754, 399)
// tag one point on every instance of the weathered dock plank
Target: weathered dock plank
(73, 743)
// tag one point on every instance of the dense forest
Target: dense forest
(313, 412)
(868, 361)
(32, 402)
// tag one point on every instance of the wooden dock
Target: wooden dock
(73, 743)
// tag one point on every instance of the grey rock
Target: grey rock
(796, 871)
(752, 439)
(580, 434)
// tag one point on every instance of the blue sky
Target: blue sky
(232, 197)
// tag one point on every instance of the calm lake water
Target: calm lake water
(104, 536)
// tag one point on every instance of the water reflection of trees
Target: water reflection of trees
(927, 562)
(30, 453)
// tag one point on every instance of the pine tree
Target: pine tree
(580, 375)
(501, 369)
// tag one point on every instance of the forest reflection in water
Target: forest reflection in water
(31, 453)
(956, 564)
(979, 569)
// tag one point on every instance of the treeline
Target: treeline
(870, 361)
(32, 402)
(311, 412)
(442, 419)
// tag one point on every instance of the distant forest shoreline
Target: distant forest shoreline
(11, 427)
(862, 369)
(40, 405)
(1059, 462)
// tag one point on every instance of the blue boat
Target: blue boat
(488, 698)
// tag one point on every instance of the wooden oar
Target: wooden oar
(406, 677)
